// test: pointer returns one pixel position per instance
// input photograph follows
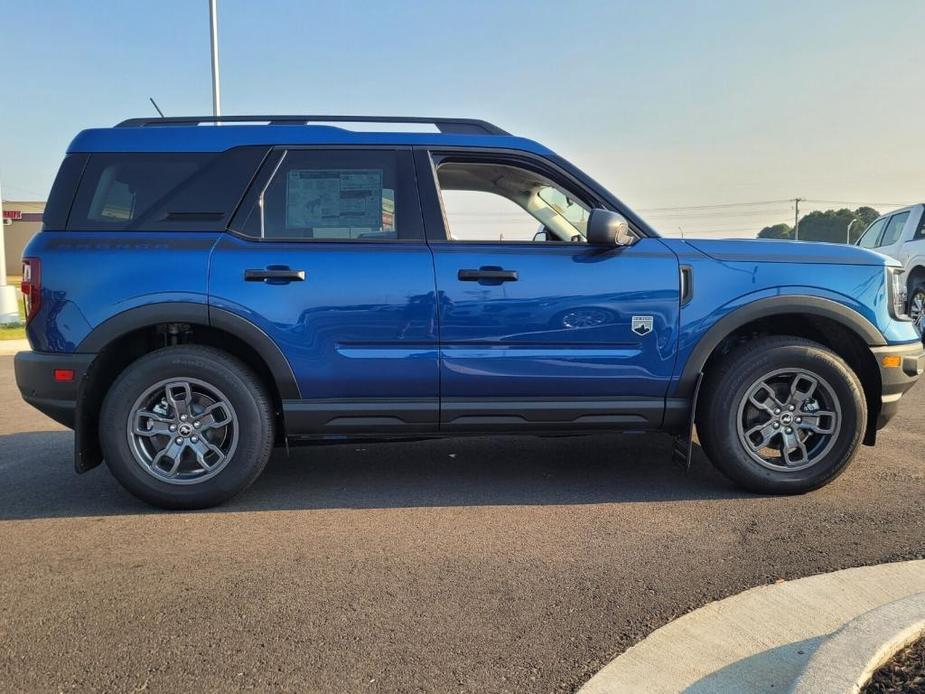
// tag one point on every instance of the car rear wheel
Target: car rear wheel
(781, 415)
(186, 427)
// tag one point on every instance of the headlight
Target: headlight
(897, 282)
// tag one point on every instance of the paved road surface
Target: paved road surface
(479, 565)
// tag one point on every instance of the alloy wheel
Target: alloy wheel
(789, 419)
(182, 431)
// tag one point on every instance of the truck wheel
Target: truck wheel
(186, 427)
(916, 309)
(781, 415)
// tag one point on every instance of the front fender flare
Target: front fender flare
(763, 308)
(915, 267)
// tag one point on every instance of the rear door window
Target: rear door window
(920, 232)
(163, 191)
(334, 195)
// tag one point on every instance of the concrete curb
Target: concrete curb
(846, 661)
(757, 641)
(8, 347)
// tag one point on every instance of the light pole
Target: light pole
(213, 33)
(848, 230)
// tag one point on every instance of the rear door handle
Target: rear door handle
(274, 274)
(496, 275)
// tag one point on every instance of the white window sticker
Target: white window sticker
(334, 198)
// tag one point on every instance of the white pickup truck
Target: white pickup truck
(900, 234)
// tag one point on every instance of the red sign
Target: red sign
(12, 214)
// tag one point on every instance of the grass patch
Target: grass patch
(12, 332)
(15, 331)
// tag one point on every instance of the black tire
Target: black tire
(249, 403)
(726, 388)
(916, 307)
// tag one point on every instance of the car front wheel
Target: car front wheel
(781, 415)
(186, 427)
(916, 308)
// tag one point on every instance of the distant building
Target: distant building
(21, 220)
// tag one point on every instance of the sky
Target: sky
(704, 117)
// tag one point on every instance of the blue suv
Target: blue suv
(204, 289)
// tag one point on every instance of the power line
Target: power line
(862, 204)
(716, 205)
(23, 190)
(719, 215)
(655, 211)
(715, 227)
(755, 203)
(484, 216)
(712, 225)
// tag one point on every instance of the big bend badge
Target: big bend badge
(642, 325)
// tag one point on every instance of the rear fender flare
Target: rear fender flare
(197, 314)
(87, 453)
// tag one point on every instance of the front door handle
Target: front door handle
(487, 274)
(274, 274)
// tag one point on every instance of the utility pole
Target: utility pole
(9, 310)
(796, 218)
(213, 32)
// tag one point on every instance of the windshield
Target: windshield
(871, 237)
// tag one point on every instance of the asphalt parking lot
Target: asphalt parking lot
(476, 565)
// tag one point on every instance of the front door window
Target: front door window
(499, 202)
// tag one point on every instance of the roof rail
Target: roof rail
(457, 126)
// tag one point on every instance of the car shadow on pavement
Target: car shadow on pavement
(39, 480)
(780, 665)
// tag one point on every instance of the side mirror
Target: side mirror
(606, 228)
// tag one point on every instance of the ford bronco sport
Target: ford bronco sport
(202, 291)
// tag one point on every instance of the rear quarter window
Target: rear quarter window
(162, 191)
(62, 192)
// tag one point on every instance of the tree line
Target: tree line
(831, 226)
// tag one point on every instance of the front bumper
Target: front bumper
(35, 376)
(896, 380)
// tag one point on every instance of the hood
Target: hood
(771, 251)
